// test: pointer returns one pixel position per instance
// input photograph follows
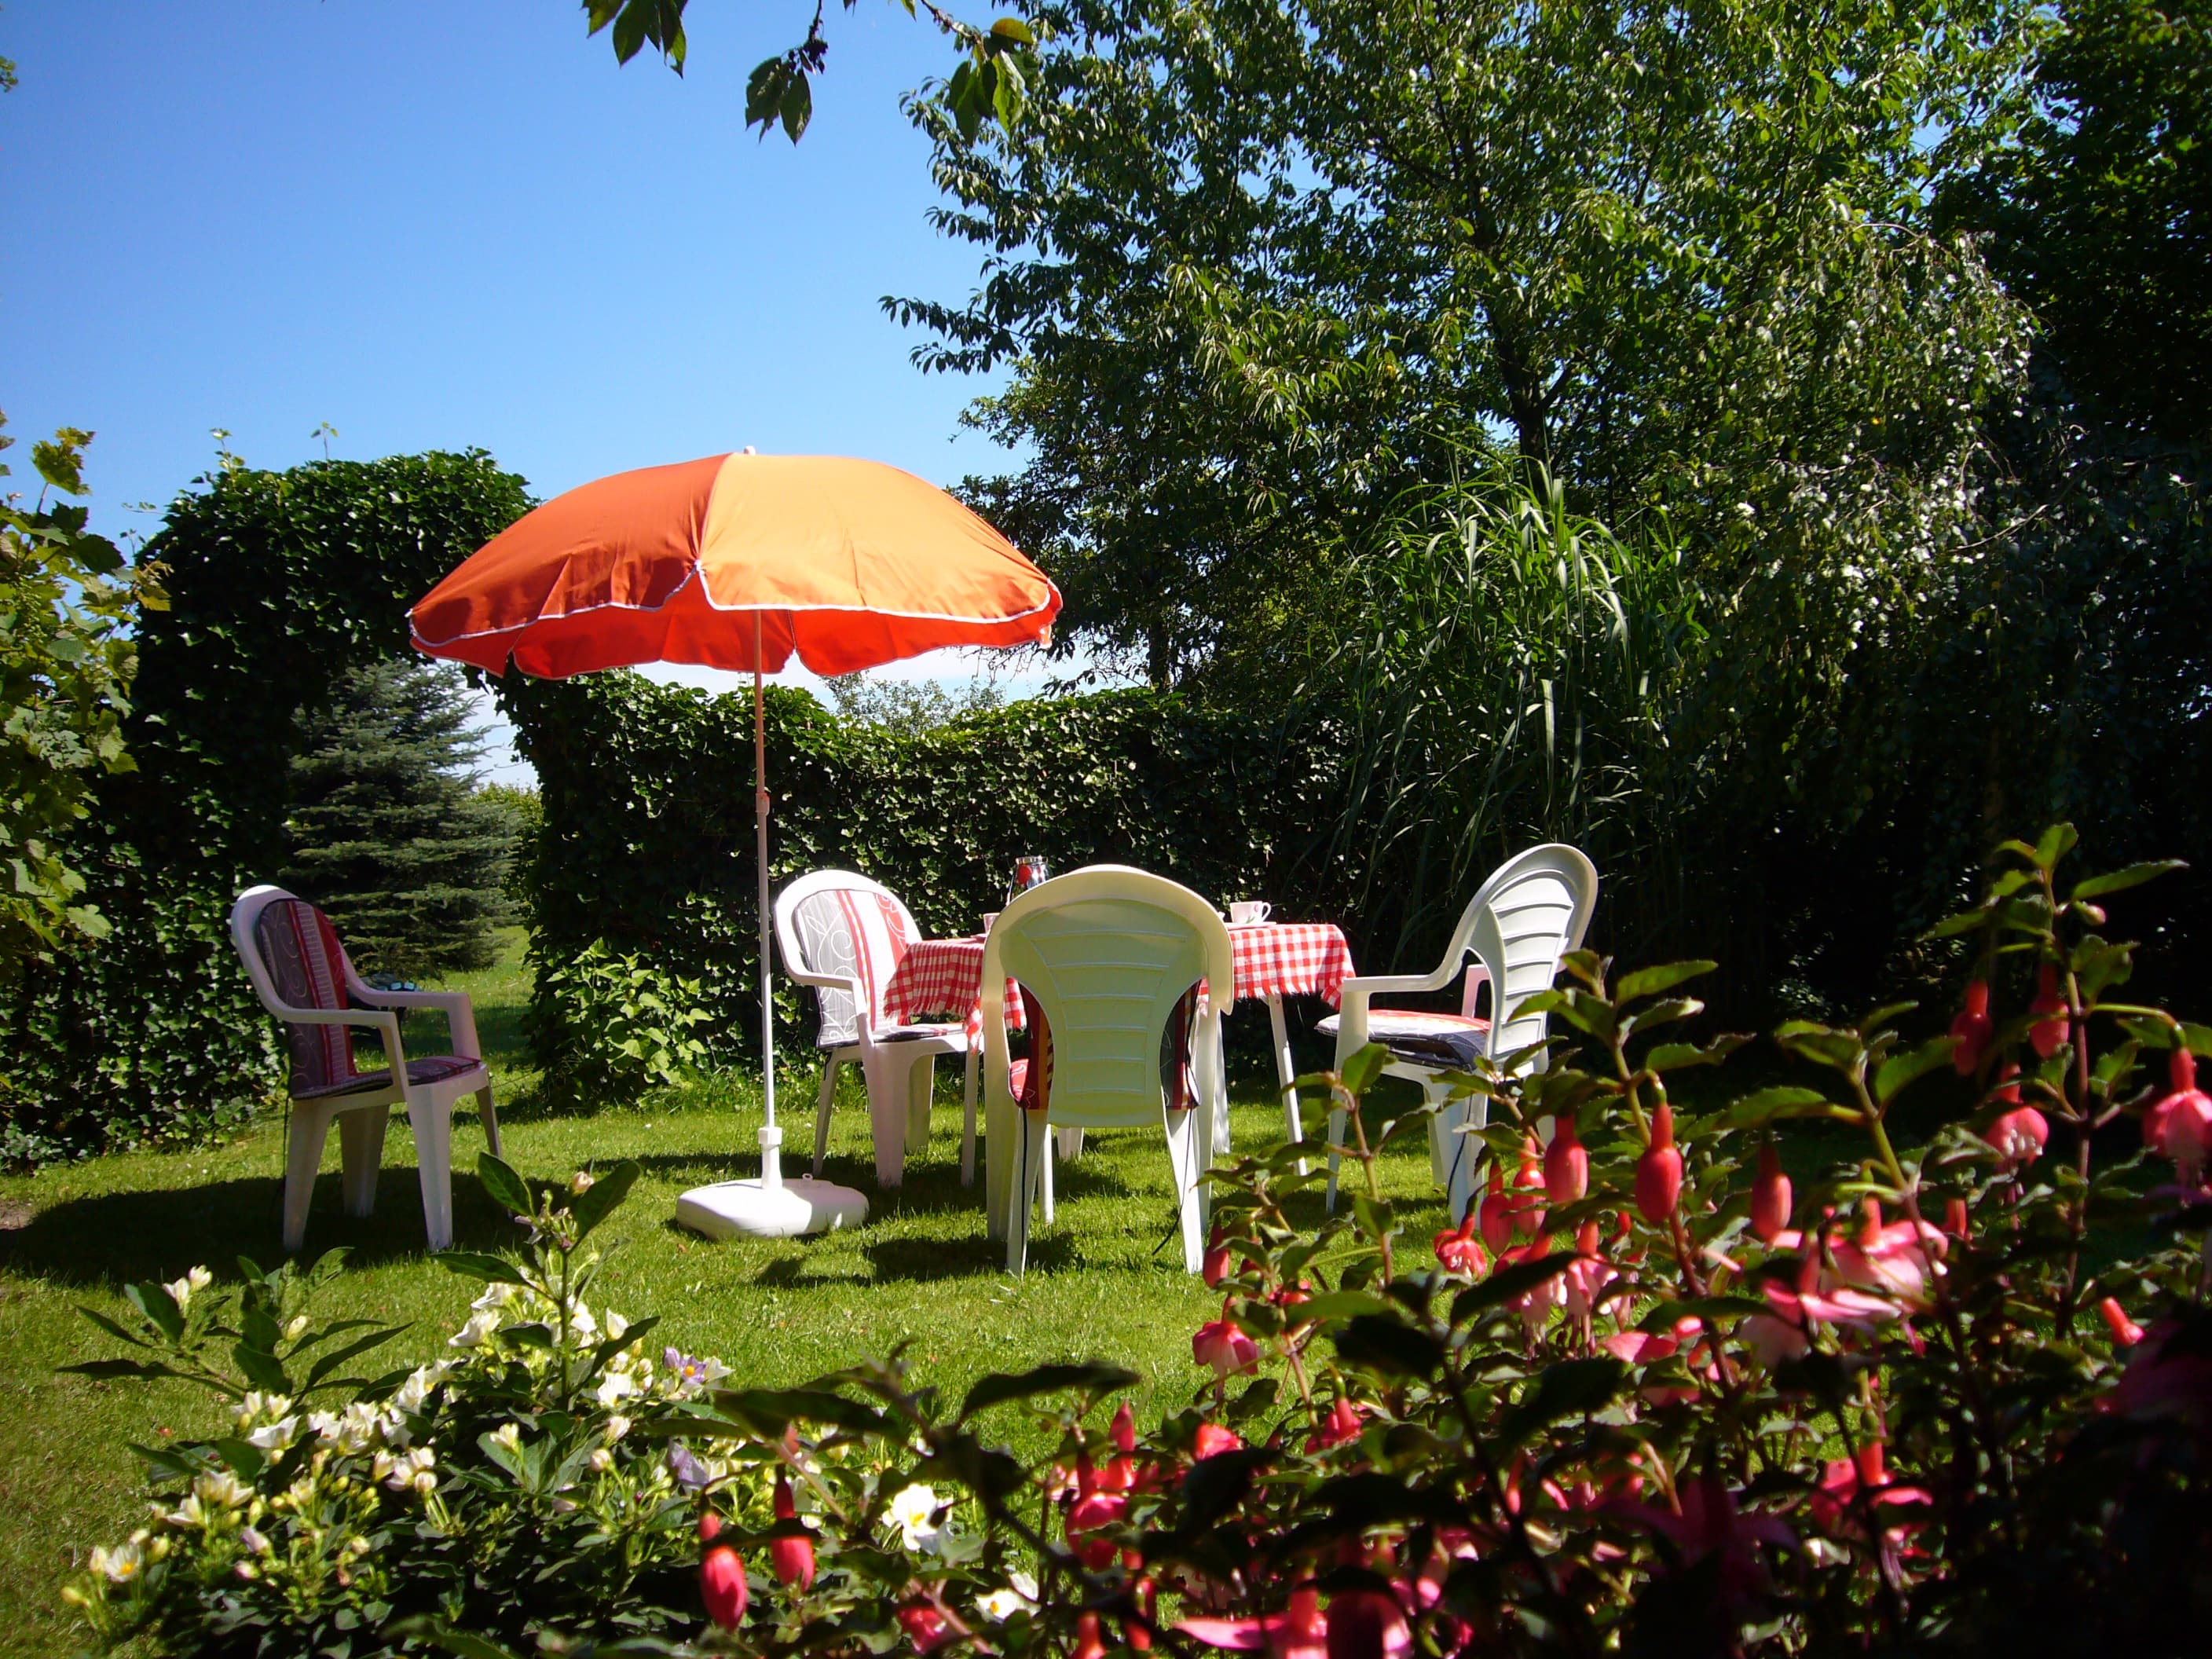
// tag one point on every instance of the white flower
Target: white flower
(180, 1289)
(296, 1328)
(617, 1426)
(191, 1514)
(602, 1460)
(913, 1512)
(582, 1182)
(618, 1326)
(494, 1296)
(476, 1332)
(416, 1390)
(360, 1428)
(118, 1565)
(222, 1489)
(614, 1388)
(1001, 1605)
(582, 1326)
(509, 1435)
(254, 1542)
(275, 1436)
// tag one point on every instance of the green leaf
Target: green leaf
(159, 1306)
(263, 1369)
(1764, 1106)
(1001, 1386)
(1506, 1283)
(1386, 1344)
(1362, 1068)
(1649, 981)
(2056, 843)
(1661, 1315)
(2118, 881)
(1900, 1070)
(1570, 1388)
(474, 1264)
(1678, 1056)
(599, 1200)
(337, 1357)
(1013, 29)
(507, 1189)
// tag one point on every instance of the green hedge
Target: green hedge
(647, 842)
(278, 583)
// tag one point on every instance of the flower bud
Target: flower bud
(925, 1627)
(722, 1584)
(791, 1559)
(2125, 1331)
(1088, 1643)
(1527, 1183)
(1973, 1028)
(1771, 1197)
(1659, 1171)
(1497, 1214)
(2051, 1013)
(1566, 1165)
(1216, 1262)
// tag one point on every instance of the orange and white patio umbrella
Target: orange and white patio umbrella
(741, 562)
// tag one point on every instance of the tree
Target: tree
(989, 84)
(1258, 264)
(389, 832)
(67, 655)
(2101, 215)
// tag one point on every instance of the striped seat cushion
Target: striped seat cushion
(432, 1068)
(302, 952)
(1424, 1038)
(860, 935)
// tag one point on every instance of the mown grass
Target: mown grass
(1104, 1281)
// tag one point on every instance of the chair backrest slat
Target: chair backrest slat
(1108, 956)
(301, 953)
(1531, 911)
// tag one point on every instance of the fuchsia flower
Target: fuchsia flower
(2125, 1331)
(1895, 1260)
(1535, 1304)
(2019, 1135)
(721, 1576)
(1847, 1480)
(1974, 1028)
(1659, 1171)
(1642, 1347)
(1954, 1216)
(1770, 1197)
(1340, 1428)
(1784, 1331)
(1528, 1184)
(1088, 1643)
(1222, 1348)
(1711, 1524)
(1588, 1274)
(1213, 1440)
(2051, 1012)
(1457, 1252)
(927, 1628)
(1367, 1624)
(1093, 1510)
(791, 1558)
(1497, 1214)
(1120, 1473)
(1566, 1163)
(1299, 1631)
(2180, 1125)
(1217, 1262)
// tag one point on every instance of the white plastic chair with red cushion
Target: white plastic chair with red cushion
(845, 935)
(303, 977)
(1533, 910)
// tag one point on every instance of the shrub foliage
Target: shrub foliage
(1953, 1396)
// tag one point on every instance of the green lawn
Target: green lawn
(1104, 1281)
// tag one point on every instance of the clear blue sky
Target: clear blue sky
(437, 225)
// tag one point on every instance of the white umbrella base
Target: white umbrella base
(729, 1209)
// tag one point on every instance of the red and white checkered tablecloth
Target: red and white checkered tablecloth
(944, 976)
(1290, 959)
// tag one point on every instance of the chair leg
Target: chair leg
(360, 1145)
(1033, 1168)
(921, 1093)
(1286, 1072)
(1335, 1141)
(970, 1073)
(1187, 1141)
(1047, 1154)
(1068, 1140)
(829, 1064)
(1002, 1154)
(490, 1119)
(1464, 1153)
(432, 1123)
(304, 1136)
(886, 1074)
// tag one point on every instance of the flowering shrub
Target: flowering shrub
(1651, 1397)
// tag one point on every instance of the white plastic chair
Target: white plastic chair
(1108, 952)
(302, 975)
(1531, 911)
(844, 934)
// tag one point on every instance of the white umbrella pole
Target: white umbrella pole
(771, 1138)
(770, 1207)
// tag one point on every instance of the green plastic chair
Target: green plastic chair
(1107, 951)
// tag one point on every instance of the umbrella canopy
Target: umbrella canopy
(846, 564)
(741, 562)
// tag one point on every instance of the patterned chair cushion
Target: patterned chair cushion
(1421, 1037)
(433, 1068)
(857, 934)
(302, 952)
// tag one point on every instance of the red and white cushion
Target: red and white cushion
(1423, 1037)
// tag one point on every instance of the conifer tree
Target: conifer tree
(388, 832)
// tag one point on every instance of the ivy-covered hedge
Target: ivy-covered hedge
(278, 583)
(647, 842)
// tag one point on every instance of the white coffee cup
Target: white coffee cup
(1246, 911)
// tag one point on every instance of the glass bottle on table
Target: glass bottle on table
(1029, 869)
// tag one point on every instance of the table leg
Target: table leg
(1286, 1070)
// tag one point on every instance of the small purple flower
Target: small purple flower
(687, 1470)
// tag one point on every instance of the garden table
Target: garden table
(1274, 960)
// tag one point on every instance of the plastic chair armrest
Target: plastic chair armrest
(385, 1023)
(1355, 995)
(460, 1012)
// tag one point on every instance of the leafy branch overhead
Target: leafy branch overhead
(990, 84)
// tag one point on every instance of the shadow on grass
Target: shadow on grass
(115, 1239)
